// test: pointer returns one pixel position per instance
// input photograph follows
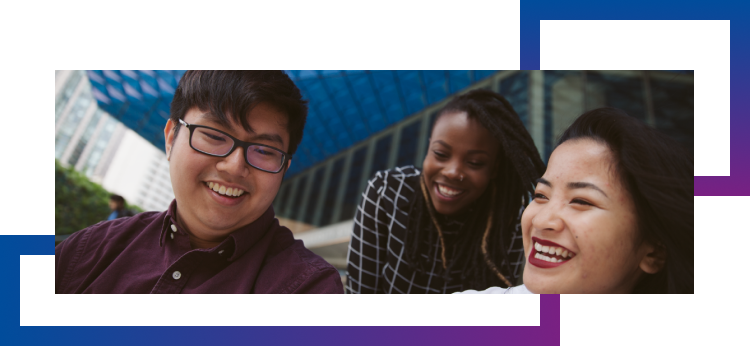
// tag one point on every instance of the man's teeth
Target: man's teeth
(223, 190)
(447, 191)
(541, 250)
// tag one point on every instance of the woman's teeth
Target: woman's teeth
(556, 254)
(447, 191)
(223, 190)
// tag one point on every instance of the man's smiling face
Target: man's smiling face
(210, 215)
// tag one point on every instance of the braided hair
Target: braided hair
(481, 251)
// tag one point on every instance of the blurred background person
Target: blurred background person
(453, 225)
(118, 207)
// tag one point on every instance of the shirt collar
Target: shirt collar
(238, 242)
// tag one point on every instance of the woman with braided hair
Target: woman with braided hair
(454, 225)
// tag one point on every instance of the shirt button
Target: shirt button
(221, 252)
(174, 228)
(171, 235)
(176, 275)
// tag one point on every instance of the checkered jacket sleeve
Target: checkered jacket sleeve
(368, 246)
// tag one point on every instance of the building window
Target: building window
(407, 147)
(433, 118)
(621, 92)
(281, 199)
(70, 86)
(515, 89)
(674, 110)
(333, 187)
(71, 123)
(101, 143)
(312, 198)
(352, 192)
(297, 202)
(382, 153)
(564, 102)
(90, 127)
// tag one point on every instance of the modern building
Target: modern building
(364, 121)
(98, 145)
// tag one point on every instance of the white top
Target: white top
(499, 290)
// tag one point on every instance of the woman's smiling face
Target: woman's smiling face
(460, 162)
(580, 231)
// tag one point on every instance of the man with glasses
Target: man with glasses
(229, 141)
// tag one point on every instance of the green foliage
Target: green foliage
(79, 202)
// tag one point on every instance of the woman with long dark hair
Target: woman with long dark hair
(453, 225)
(613, 213)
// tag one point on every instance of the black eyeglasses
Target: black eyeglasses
(213, 142)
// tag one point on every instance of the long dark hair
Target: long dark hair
(481, 251)
(658, 173)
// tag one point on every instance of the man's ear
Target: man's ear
(655, 258)
(169, 137)
(288, 164)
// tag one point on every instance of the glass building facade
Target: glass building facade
(82, 130)
(89, 139)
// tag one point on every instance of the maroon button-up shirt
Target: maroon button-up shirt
(149, 253)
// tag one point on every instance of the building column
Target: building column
(300, 214)
(536, 109)
(321, 200)
(395, 145)
(287, 211)
(424, 137)
(341, 189)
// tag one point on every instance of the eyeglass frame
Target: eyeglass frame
(237, 143)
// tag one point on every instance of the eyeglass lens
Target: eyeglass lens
(216, 143)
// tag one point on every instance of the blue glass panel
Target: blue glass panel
(317, 91)
(323, 139)
(459, 80)
(360, 131)
(375, 121)
(436, 85)
(294, 75)
(336, 85)
(149, 86)
(330, 72)
(387, 90)
(482, 74)
(411, 88)
(305, 74)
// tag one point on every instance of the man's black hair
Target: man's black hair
(482, 249)
(234, 94)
